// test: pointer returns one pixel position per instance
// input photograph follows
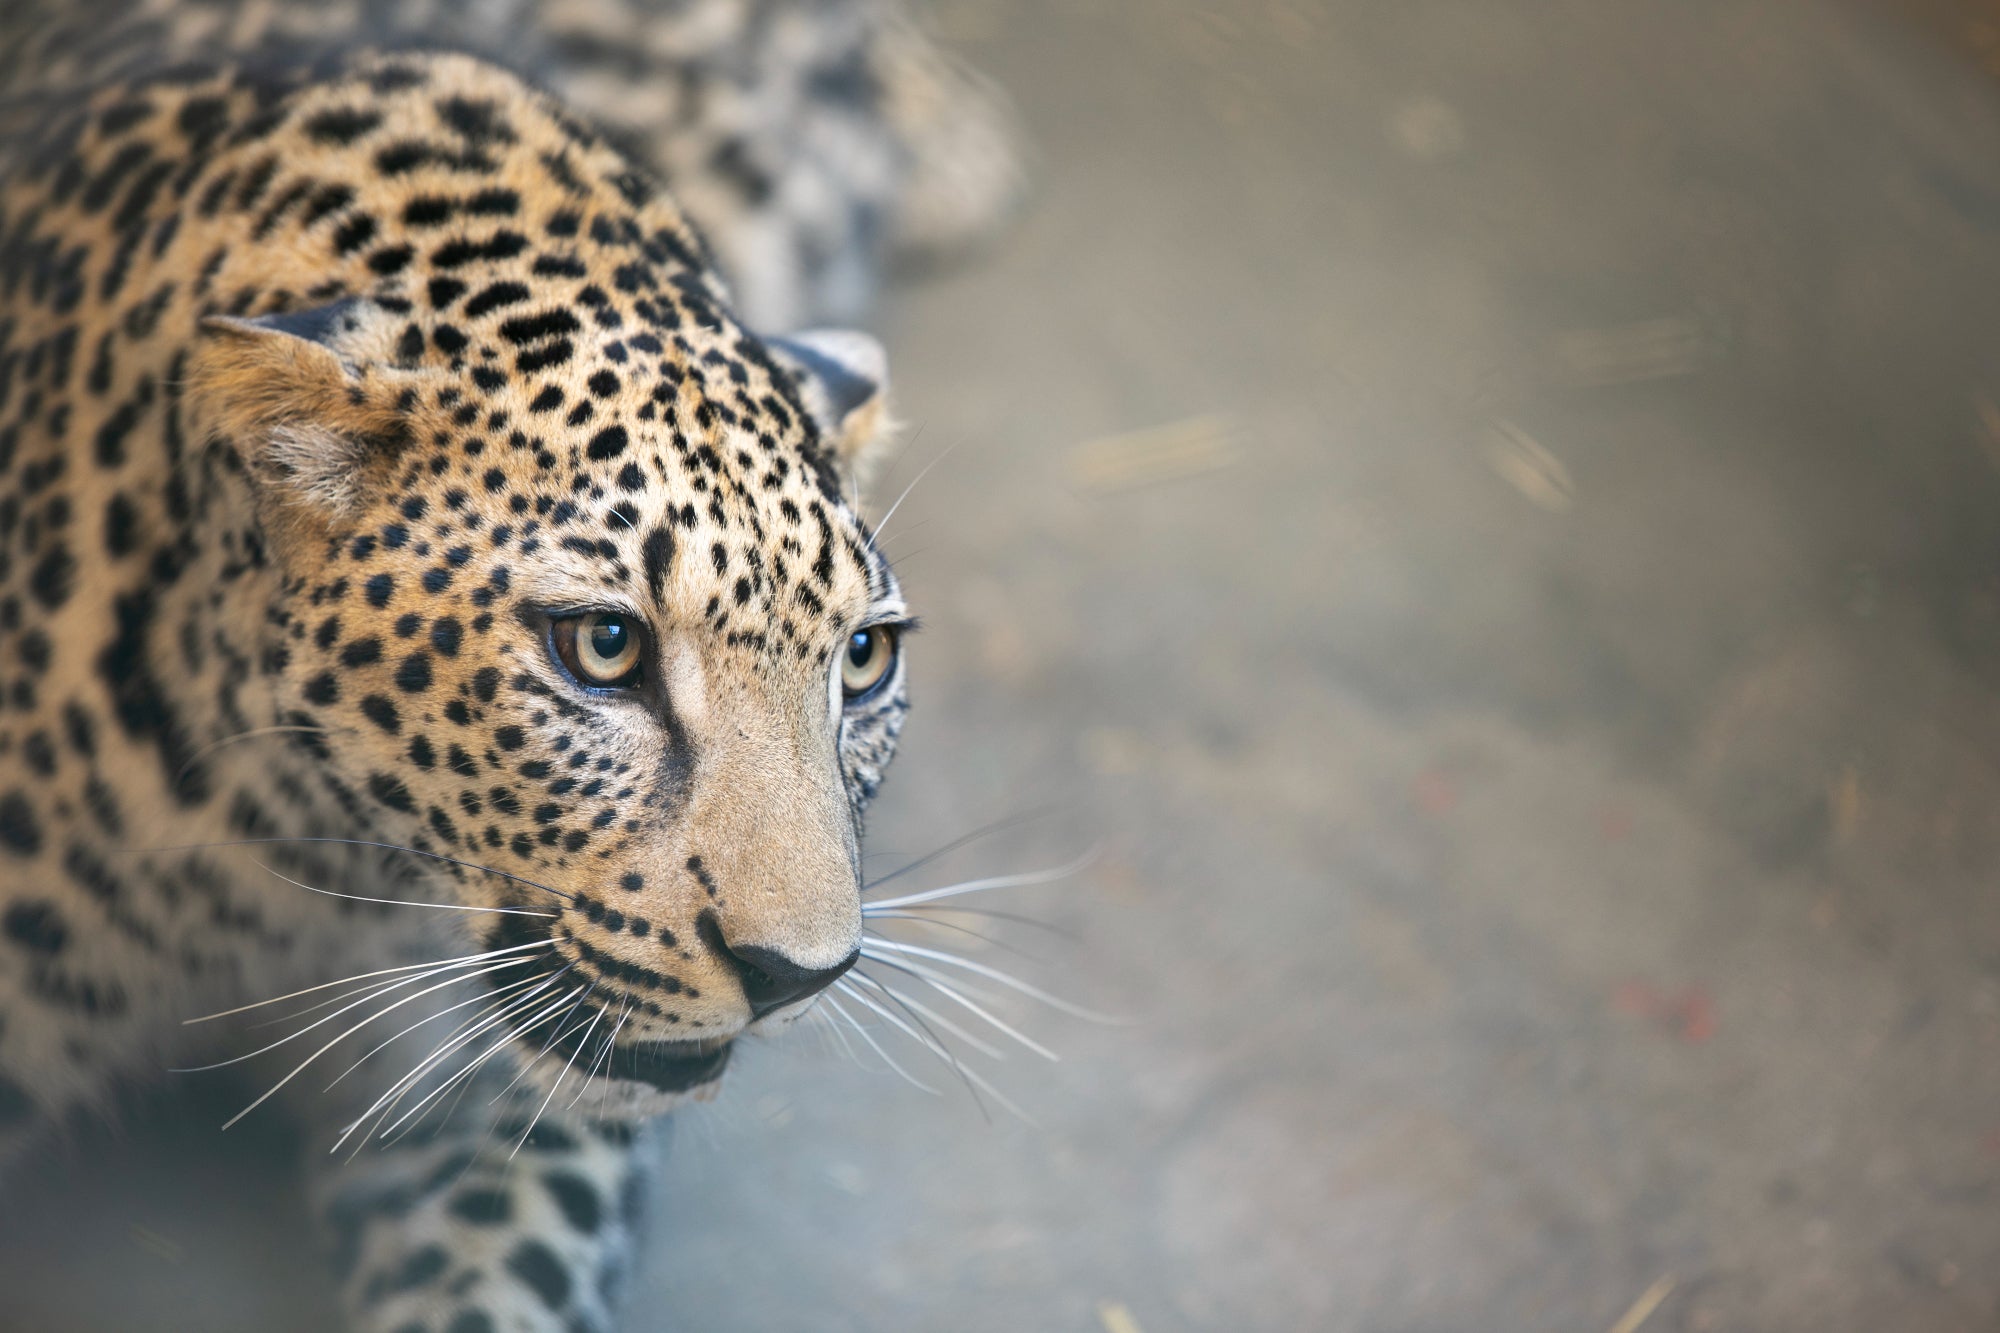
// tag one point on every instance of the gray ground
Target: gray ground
(1531, 679)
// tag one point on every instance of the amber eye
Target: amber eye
(602, 649)
(866, 662)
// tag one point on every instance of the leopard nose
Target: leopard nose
(770, 980)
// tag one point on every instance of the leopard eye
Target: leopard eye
(867, 660)
(601, 649)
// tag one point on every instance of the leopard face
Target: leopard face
(568, 593)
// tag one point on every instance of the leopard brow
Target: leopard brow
(554, 599)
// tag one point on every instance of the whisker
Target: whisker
(401, 902)
(349, 842)
(917, 526)
(375, 989)
(1016, 881)
(463, 1077)
(358, 992)
(453, 981)
(875, 533)
(876, 1046)
(1005, 979)
(834, 1028)
(854, 489)
(395, 1092)
(415, 1116)
(942, 985)
(376, 1049)
(930, 913)
(394, 985)
(1007, 1103)
(555, 1088)
(603, 1059)
(929, 1041)
(979, 1044)
(500, 1001)
(995, 973)
(451, 1044)
(1000, 825)
(972, 1076)
(363, 976)
(207, 750)
(555, 1035)
(953, 925)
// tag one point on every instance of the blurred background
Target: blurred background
(1488, 512)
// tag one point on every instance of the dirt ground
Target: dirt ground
(1484, 512)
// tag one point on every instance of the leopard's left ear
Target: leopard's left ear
(843, 379)
(303, 396)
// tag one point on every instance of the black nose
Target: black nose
(771, 980)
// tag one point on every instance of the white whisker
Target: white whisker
(928, 1041)
(207, 750)
(932, 914)
(603, 1060)
(452, 981)
(979, 1044)
(943, 986)
(363, 976)
(876, 1046)
(401, 1087)
(555, 1035)
(995, 974)
(359, 992)
(500, 1001)
(875, 534)
(1017, 881)
(449, 1046)
(555, 1088)
(377, 1049)
(464, 975)
(402, 902)
(962, 840)
(971, 1076)
(839, 1036)
(461, 1080)
(922, 915)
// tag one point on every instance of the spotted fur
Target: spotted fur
(336, 375)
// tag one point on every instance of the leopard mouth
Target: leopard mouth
(668, 1066)
(665, 1066)
(585, 1039)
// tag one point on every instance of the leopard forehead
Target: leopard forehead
(650, 470)
(572, 401)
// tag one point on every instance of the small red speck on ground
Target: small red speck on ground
(1435, 792)
(1688, 1013)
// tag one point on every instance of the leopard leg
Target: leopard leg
(461, 1233)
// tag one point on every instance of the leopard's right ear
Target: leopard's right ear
(303, 396)
(842, 377)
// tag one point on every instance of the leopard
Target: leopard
(438, 624)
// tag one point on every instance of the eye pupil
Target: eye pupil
(607, 637)
(861, 647)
